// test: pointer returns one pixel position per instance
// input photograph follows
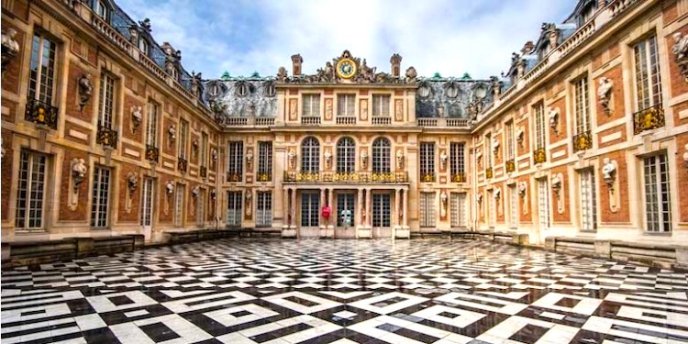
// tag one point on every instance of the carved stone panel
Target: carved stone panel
(399, 110)
(328, 109)
(364, 109)
(293, 106)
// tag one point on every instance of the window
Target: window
(513, 206)
(381, 155)
(183, 141)
(204, 150)
(234, 208)
(106, 107)
(509, 137)
(100, 200)
(488, 147)
(101, 9)
(458, 210)
(381, 105)
(427, 161)
(179, 205)
(657, 195)
(588, 204)
(42, 73)
(31, 191)
(582, 105)
(264, 209)
(427, 209)
(152, 125)
(491, 205)
(543, 203)
(310, 205)
(346, 155)
(147, 202)
(647, 80)
(382, 210)
(310, 155)
(456, 160)
(200, 208)
(264, 161)
(143, 46)
(346, 105)
(539, 111)
(310, 105)
(235, 161)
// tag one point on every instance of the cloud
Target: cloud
(446, 36)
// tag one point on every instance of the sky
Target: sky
(450, 37)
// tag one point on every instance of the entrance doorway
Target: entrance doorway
(310, 206)
(382, 212)
(345, 201)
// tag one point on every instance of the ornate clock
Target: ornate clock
(346, 68)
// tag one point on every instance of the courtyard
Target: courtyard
(343, 291)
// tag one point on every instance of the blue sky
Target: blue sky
(446, 36)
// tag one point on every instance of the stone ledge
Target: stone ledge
(179, 236)
(36, 252)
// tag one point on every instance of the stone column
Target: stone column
(397, 208)
(369, 208)
(292, 208)
(333, 215)
(405, 199)
(359, 209)
(287, 208)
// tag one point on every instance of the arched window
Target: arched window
(381, 149)
(310, 155)
(346, 155)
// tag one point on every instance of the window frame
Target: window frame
(106, 103)
(310, 108)
(379, 108)
(346, 155)
(42, 83)
(647, 91)
(235, 159)
(100, 214)
(310, 155)
(348, 100)
(27, 183)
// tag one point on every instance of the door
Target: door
(310, 206)
(264, 209)
(234, 208)
(458, 210)
(179, 206)
(345, 201)
(588, 208)
(427, 209)
(147, 206)
(381, 210)
(543, 204)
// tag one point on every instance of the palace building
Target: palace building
(104, 133)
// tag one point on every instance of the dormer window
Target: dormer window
(586, 13)
(101, 8)
(143, 46)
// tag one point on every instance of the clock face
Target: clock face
(346, 68)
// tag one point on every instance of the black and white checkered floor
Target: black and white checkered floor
(273, 291)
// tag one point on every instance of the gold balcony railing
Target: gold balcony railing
(203, 171)
(346, 177)
(182, 164)
(42, 113)
(234, 177)
(582, 141)
(510, 165)
(264, 177)
(428, 177)
(539, 155)
(648, 119)
(152, 153)
(488, 172)
(459, 177)
(106, 136)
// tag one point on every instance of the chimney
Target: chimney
(296, 61)
(395, 60)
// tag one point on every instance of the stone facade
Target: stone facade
(406, 154)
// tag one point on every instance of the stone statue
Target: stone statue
(196, 191)
(196, 84)
(522, 188)
(10, 47)
(170, 187)
(292, 158)
(411, 74)
(85, 89)
(680, 50)
(496, 86)
(132, 182)
(172, 132)
(146, 25)
(604, 93)
(400, 159)
(136, 117)
(78, 171)
(608, 171)
(282, 74)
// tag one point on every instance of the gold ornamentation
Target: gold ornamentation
(346, 68)
(648, 119)
(539, 155)
(510, 166)
(488, 172)
(582, 141)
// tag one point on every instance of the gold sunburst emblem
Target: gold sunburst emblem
(346, 68)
